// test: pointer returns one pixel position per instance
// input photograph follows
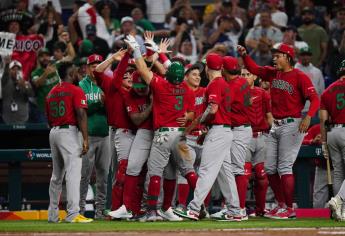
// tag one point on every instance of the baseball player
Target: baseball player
(215, 157)
(116, 91)
(173, 101)
(139, 108)
(260, 116)
(66, 112)
(98, 130)
(332, 110)
(241, 128)
(192, 79)
(290, 88)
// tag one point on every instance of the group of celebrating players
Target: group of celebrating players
(172, 136)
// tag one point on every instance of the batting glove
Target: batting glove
(151, 45)
(130, 40)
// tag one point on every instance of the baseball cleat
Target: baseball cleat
(150, 216)
(189, 214)
(169, 215)
(272, 212)
(219, 214)
(284, 214)
(335, 204)
(230, 217)
(121, 213)
(81, 219)
(243, 213)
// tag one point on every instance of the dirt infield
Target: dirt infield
(223, 232)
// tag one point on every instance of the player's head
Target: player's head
(214, 64)
(341, 70)
(192, 74)
(127, 78)
(175, 73)
(305, 55)
(139, 86)
(231, 67)
(249, 76)
(92, 62)
(59, 50)
(68, 72)
(283, 56)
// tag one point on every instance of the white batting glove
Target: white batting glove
(132, 43)
(151, 45)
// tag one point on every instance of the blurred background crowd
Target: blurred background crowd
(49, 31)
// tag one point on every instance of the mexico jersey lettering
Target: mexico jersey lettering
(170, 102)
(333, 101)
(61, 103)
(138, 104)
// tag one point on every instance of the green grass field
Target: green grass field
(108, 226)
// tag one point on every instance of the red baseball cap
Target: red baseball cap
(94, 58)
(284, 48)
(214, 61)
(138, 82)
(230, 63)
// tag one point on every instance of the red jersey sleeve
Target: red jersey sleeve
(309, 93)
(323, 100)
(266, 73)
(155, 81)
(120, 71)
(267, 102)
(103, 80)
(79, 98)
(214, 93)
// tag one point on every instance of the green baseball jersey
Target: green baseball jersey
(97, 119)
(42, 91)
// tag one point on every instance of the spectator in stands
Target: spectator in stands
(128, 27)
(319, 13)
(87, 14)
(279, 18)
(16, 92)
(106, 10)
(315, 36)
(99, 45)
(138, 17)
(37, 5)
(73, 24)
(320, 192)
(336, 27)
(181, 10)
(264, 30)
(291, 37)
(44, 78)
(62, 52)
(262, 54)
(314, 73)
(156, 11)
(228, 31)
(49, 29)
(336, 56)
(239, 12)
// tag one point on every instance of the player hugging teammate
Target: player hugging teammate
(171, 134)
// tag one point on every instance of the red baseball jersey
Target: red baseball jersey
(311, 134)
(333, 101)
(138, 104)
(62, 102)
(289, 90)
(240, 102)
(115, 96)
(218, 92)
(199, 95)
(170, 102)
(260, 106)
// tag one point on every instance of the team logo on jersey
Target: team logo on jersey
(83, 102)
(199, 101)
(283, 85)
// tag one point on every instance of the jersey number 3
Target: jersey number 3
(179, 104)
(57, 109)
(340, 101)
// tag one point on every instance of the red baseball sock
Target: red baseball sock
(130, 187)
(192, 178)
(242, 184)
(153, 192)
(169, 189)
(274, 182)
(117, 190)
(139, 191)
(260, 187)
(288, 185)
(182, 193)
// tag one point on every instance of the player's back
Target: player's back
(333, 100)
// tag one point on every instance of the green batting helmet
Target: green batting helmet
(341, 70)
(175, 73)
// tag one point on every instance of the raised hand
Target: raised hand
(163, 46)
(131, 42)
(149, 36)
(119, 54)
(241, 50)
